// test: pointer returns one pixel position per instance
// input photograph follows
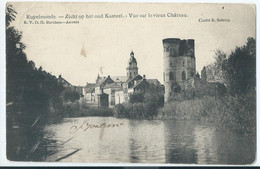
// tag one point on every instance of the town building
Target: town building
(119, 88)
(89, 92)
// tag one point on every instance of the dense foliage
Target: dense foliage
(29, 90)
(33, 95)
(137, 97)
(82, 109)
(141, 105)
(238, 70)
(70, 95)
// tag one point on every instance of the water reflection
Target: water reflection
(179, 142)
(205, 144)
(146, 141)
(235, 149)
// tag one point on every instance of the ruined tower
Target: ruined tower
(132, 69)
(179, 64)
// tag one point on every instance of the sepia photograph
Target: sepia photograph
(131, 83)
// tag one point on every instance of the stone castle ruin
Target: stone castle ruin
(179, 64)
(179, 72)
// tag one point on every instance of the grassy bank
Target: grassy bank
(94, 111)
(136, 110)
(78, 109)
(237, 113)
(140, 106)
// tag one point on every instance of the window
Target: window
(171, 75)
(166, 49)
(192, 74)
(163, 76)
(183, 75)
(170, 64)
(183, 63)
(172, 52)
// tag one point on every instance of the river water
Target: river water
(145, 141)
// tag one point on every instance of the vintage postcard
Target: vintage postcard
(146, 83)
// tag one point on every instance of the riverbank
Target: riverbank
(237, 113)
(136, 110)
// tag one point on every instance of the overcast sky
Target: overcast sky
(108, 42)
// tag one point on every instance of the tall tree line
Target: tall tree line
(237, 70)
(33, 96)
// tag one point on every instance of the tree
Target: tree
(10, 14)
(237, 71)
(71, 95)
(33, 96)
(136, 97)
(240, 68)
(214, 72)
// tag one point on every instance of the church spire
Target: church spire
(132, 69)
(132, 54)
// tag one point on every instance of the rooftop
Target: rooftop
(112, 85)
(118, 79)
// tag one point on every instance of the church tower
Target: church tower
(132, 69)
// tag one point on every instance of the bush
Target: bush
(140, 106)
(95, 111)
(137, 97)
(77, 109)
(137, 110)
(70, 95)
(157, 99)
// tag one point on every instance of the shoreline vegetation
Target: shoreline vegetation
(236, 113)
(35, 98)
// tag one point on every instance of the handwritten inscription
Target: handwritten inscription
(87, 126)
